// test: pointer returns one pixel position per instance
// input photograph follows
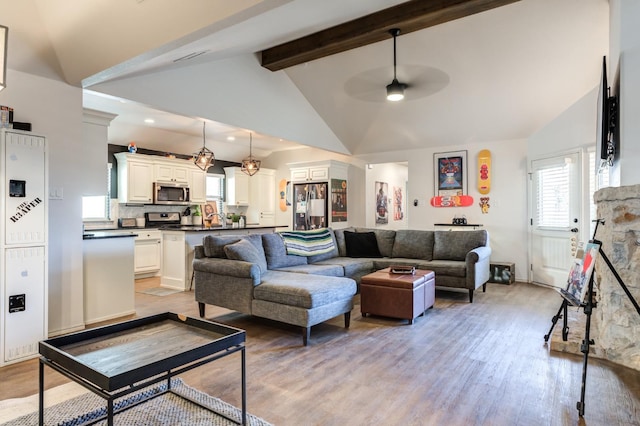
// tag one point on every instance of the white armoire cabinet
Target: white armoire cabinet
(23, 245)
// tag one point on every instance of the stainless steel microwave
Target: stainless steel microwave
(176, 194)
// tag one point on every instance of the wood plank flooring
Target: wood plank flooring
(484, 363)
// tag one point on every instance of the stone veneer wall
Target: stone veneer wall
(615, 322)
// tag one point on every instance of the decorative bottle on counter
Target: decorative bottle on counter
(241, 222)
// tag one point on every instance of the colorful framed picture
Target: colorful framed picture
(382, 203)
(580, 274)
(339, 200)
(398, 214)
(450, 173)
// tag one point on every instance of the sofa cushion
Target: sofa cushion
(385, 239)
(339, 236)
(361, 244)
(245, 251)
(449, 268)
(315, 269)
(448, 246)
(413, 244)
(276, 253)
(352, 266)
(214, 244)
(308, 291)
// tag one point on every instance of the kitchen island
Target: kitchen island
(178, 248)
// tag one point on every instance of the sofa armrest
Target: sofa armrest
(478, 268)
(228, 267)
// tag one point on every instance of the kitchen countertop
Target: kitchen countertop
(97, 235)
(196, 228)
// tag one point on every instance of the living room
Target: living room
(55, 109)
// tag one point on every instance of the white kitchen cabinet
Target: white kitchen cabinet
(262, 198)
(135, 178)
(198, 185)
(148, 253)
(168, 172)
(173, 261)
(310, 174)
(237, 187)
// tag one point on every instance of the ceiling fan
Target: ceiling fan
(395, 90)
(416, 81)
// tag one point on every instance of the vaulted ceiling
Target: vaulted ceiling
(500, 74)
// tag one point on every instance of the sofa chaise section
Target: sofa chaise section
(249, 287)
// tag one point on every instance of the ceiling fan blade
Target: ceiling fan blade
(421, 81)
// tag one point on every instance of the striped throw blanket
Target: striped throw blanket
(308, 243)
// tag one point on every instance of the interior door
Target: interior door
(555, 203)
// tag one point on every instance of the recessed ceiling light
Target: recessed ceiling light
(231, 138)
(149, 120)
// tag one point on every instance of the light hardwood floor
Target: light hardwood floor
(484, 363)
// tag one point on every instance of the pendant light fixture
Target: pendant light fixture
(395, 90)
(250, 165)
(205, 158)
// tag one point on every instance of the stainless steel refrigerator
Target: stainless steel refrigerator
(310, 205)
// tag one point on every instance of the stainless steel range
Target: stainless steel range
(158, 219)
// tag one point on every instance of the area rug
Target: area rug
(166, 409)
(159, 291)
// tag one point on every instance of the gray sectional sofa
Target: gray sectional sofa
(255, 275)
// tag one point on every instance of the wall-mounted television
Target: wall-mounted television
(607, 120)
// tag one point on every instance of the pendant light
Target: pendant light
(395, 90)
(250, 165)
(205, 158)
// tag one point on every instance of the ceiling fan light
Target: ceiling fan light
(395, 91)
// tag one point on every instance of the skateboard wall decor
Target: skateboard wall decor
(452, 201)
(282, 190)
(484, 171)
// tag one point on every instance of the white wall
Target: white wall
(506, 220)
(624, 68)
(395, 175)
(55, 111)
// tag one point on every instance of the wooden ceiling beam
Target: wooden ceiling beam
(411, 16)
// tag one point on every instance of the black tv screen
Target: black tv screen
(607, 106)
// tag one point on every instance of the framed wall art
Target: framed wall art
(450, 173)
(382, 203)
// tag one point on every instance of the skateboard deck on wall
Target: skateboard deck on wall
(452, 201)
(282, 190)
(484, 171)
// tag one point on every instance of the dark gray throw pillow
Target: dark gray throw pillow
(244, 250)
(361, 244)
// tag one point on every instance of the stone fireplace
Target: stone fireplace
(615, 321)
(615, 325)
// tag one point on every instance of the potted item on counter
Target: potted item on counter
(196, 216)
(235, 218)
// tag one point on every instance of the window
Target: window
(97, 207)
(215, 190)
(552, 195)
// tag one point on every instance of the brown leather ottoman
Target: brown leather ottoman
(402, 296)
